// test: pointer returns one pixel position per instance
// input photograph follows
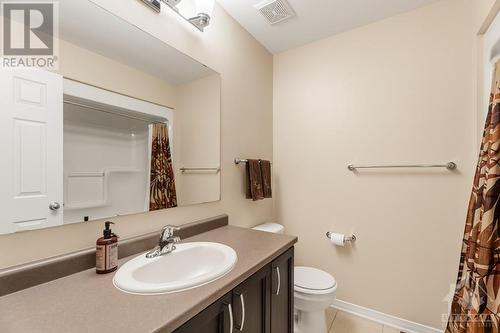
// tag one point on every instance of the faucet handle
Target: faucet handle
(168, 231)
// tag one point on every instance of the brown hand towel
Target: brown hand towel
(249, 182)
(265, 168)
(254, 180)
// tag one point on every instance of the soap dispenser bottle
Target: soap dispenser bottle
(106, 254)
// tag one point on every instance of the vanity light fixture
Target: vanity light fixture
(204, 9)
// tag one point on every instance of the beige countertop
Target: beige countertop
(88, 302)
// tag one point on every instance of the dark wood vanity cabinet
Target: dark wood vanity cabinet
(214, 319)
(261, 304)
(282, 293)
(251, 304)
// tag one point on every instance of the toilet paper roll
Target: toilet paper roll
(337, 239)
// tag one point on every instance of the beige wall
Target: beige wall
(398, 91)
(246, 112)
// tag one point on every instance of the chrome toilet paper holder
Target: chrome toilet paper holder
(351, 238)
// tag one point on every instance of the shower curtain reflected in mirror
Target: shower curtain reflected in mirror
(476, 303)
(162, 192)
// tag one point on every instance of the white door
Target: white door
(31, 150)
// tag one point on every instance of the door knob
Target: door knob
(54, 205)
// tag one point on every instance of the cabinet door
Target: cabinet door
(217, 318)
(251, 303)
(282, 293)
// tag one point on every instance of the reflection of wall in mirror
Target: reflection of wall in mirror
(197, 106)
(198, 140)
(89, 67)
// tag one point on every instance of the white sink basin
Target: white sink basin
(189, 266)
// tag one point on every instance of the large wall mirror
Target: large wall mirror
(127, 124)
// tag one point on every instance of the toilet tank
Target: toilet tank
(270, 227)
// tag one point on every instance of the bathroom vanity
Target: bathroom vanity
(256, 295)
(262, 303)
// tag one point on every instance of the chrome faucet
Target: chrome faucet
(167, 241)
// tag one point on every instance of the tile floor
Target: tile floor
(342, 322)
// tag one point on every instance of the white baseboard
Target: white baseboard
(379, 317)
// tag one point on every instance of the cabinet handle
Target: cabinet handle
(231, 322)
(242, 300)
(279, 280)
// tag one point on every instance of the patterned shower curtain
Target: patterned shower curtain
(162, 185)
(476, 303)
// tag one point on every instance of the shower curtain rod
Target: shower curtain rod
(149, 121)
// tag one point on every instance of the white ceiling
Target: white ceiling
(315, 19)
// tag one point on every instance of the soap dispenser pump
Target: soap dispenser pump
(106, 254)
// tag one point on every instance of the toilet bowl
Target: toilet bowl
(314, 292)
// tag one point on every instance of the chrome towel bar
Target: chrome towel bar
(449, 166)
(242, 161)
(217, 170)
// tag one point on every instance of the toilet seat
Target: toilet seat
(313, 281)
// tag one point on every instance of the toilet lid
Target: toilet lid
(313, 280)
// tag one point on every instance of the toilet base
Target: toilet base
(309, 321)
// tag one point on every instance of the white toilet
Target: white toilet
(314, 292)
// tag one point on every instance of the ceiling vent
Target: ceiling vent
(275, 10)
